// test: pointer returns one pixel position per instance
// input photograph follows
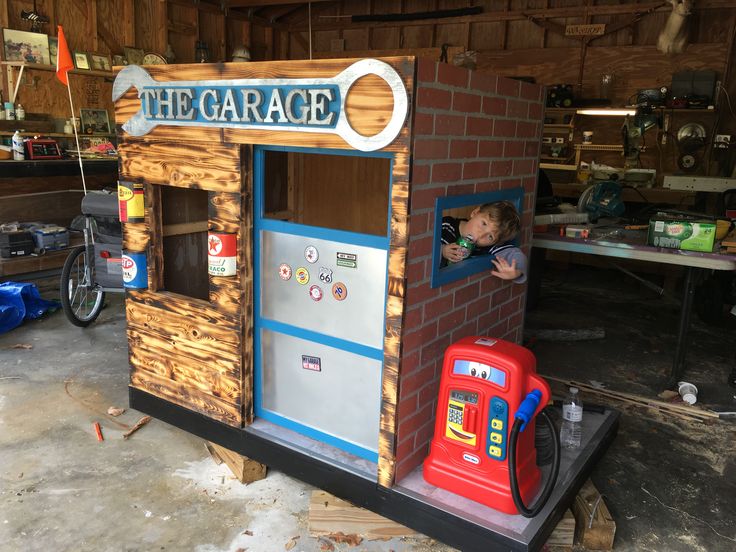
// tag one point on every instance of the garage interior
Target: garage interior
(636, 126)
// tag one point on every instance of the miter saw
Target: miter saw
(633, 129)
(602, 199)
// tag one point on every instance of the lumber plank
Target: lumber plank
(563, 537)
(244, 469)
(595, 529)
(680, 410)
(329, 515)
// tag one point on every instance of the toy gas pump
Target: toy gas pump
(483, 445)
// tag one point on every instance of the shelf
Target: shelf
(662, 108)
(599, 147)
(57, 134)
(558, 167)
(42, 67)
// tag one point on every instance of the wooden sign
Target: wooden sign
(595, 29)
(297, 104)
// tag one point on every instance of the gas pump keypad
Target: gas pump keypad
(462, 411)
(498, 413)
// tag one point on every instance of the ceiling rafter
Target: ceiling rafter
(264, 3)
(514, 15)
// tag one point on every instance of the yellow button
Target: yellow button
(496, 423)
(496, 437)
(494, 451)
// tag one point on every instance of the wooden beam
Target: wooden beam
(262, 3)
(517, 15)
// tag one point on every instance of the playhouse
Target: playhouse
(285, 298)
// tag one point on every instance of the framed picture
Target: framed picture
(119, 60)
(100, 62)
(134, 56)
(53, 49)
(81, 61)
(25, 46)
(95, 121)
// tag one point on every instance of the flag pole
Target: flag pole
(63, 65)
(76, 138)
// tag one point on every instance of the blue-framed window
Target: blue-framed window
(474, 264)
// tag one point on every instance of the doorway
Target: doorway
(321, 253)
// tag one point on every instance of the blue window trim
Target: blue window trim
(261, 224)
(472, 265)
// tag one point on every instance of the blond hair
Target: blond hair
(505, 215)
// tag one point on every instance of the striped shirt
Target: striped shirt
(507, 251)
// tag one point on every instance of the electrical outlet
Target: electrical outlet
(722, 141)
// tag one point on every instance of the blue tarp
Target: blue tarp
(19, 301)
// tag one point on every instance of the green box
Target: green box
(679, 233)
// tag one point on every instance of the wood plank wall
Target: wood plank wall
(509, 43)
(195, 353)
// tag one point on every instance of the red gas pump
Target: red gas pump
(483, 446)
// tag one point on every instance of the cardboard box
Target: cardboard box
(680, 233)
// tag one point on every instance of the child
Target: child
(492, 226)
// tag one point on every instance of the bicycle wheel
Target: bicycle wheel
(81, 299)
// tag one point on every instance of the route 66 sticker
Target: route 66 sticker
(325, 275)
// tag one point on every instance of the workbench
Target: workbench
(628, 248)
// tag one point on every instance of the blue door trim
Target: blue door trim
(261, 224)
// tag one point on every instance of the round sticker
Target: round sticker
(302, 275)
(214, 244)
(315, 292)
(339, 291)
(311, 254)
(284, 271)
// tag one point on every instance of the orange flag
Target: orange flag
(63, 58)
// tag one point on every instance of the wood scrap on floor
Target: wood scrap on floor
(683, 411)
(594, 526)
(244, 469)
(139, 424)
(330, 516)
(563, 537)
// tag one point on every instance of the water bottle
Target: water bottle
(18, 153)
(572, 420)
(467, 244)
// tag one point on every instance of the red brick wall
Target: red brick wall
(472, 133)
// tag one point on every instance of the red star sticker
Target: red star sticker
(214, 243)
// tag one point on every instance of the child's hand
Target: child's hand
(504, 270)
(453, 252)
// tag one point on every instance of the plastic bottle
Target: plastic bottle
(68, 127)
(467, 245)
(9, 111)
(18, 153)
(20, 113)
(571, 431)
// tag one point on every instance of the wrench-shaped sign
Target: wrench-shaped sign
(240, 103)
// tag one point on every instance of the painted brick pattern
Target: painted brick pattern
(473, 133)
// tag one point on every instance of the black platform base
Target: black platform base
(461, 524)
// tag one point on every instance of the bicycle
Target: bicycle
(95, 268)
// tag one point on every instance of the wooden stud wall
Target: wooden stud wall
(507, 42)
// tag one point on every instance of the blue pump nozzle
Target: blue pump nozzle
(528, 407)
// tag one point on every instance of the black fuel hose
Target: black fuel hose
(532, 511)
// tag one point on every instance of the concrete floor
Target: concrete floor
(669, 484)
(62, 490)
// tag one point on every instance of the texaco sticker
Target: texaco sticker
(315, 292)
(302, 275)
(311, 254)
(339, 291)
(284, 271)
